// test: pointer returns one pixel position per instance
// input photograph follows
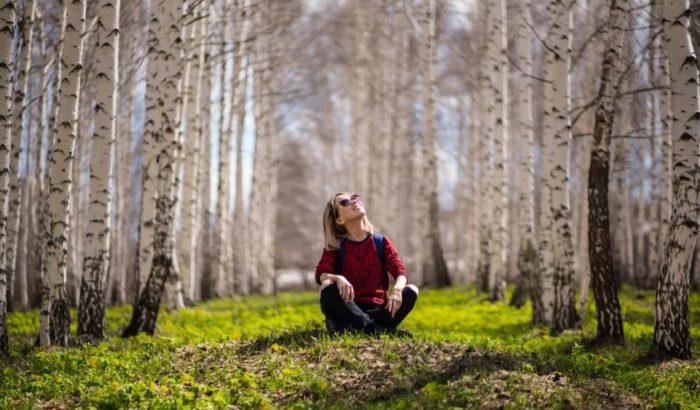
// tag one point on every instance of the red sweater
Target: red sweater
(363, 269)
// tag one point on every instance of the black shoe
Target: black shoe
(334, 327)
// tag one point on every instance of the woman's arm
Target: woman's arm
(400, 283)
(347, 292)
(324, 268)
(329, 276)
(393, 262)
(395, 297)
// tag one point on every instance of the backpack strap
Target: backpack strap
(379, 247)
(378, 240)
(340, 258)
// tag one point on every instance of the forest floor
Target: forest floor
(270, 352)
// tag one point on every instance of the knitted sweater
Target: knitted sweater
(363, 269)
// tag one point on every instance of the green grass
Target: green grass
(270, 352)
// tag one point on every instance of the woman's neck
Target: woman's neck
(356, 229)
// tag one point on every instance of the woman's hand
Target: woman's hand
(346, 290)
(394, 302)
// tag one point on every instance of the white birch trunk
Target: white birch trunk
(604, 283)
(499, 85)
(7, 29)
(474, 205)
(60, 174)
(434, 267)
(656, 139)
(190, 199)
(240, 283)
(238, 112)
(485, 182)
(203, 170)
(254, 224)
(164, 74)
(269, 156)
(547, 224)
(222, 230)
(151, 146)
(360, 120)
(97, 236)
(671, 327)
(527, 250)
(174, 290)
(462, 200)
(666, 166)
(20, 109)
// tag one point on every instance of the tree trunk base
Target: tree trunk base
(658, 353)
(59, 322)
(4, 341)
(91, 312)
(519, 295)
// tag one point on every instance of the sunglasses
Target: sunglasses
(345, 202)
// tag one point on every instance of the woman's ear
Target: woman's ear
(339, 221)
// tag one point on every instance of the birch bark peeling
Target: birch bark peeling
(97, 237)
(193, 144)
(7, 27)
(599, 244)
(24, 64)
(60, 171)
(671, 327)
(527, 250)
(499, 86)
(222, 230)
(164, 74)
(434, 266)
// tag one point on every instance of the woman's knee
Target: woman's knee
(414, 288)
(329, 291)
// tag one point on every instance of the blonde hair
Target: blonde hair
(333, 232)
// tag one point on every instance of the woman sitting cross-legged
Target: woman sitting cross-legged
(354, 273)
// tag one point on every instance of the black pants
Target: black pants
(364, 316)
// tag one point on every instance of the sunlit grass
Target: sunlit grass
(259, 352)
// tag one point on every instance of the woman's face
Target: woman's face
(353, 209)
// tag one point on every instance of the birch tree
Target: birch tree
(545, 280)
(666, 166)
(164, 73)
(485, 171)
(7, 30)
(55, 307)
(150, 149)
(564, 314)
(655, 141)
(239, 102)
(360, 111)
(671, 327)
(434, 267)
(599, 244)
(499, 86)
(25, 35)
(527, 250)
(190, 199)
(96, 260)
(222, 229)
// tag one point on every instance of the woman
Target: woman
(353, 273)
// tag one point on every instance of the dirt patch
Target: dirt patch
(377, 370)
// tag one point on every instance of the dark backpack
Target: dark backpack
(378, 246)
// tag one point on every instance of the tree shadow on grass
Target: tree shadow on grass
(470, 361)
(293, 338)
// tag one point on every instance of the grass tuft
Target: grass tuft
(274, 352)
